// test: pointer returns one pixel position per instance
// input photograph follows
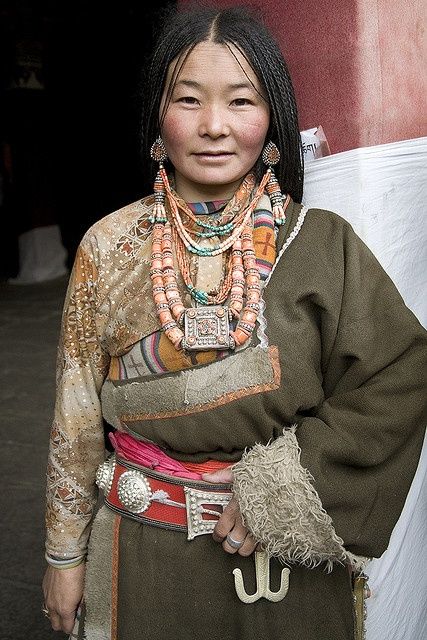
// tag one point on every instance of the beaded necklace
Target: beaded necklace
(207, 327)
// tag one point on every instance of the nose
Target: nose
(213, 122)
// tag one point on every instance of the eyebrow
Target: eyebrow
(197, 85)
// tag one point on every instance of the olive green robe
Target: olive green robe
(345, 362)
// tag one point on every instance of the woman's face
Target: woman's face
(215, 124)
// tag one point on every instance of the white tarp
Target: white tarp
(382, 192)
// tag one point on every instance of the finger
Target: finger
(226, 521)
(235, 537)
(248, 547)
(68, 622)
(62, 621)
(224, 476)
(55, 621)
(238, 534)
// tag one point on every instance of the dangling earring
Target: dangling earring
(270, 157)
(158, 154)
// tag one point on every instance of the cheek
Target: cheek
(252, 134)
(174, 132)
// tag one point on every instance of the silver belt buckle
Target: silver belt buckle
(194, 504)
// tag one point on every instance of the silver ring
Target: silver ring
(45, 611)
(236, 544)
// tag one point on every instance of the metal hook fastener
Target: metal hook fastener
(262, 573)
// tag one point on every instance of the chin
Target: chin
(212, 177)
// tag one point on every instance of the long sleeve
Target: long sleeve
(334, 485)
(77, 440)
(363, 442)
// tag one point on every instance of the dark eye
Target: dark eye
(188, 100)
(241, 102)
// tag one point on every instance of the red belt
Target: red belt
(161, 500)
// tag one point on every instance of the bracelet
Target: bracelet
(69, 563)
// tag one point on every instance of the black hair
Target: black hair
(240, 27)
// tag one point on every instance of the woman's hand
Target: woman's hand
(63, 592)
(230, 523)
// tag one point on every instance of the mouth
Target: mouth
(213, 155)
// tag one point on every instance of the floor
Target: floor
(29, 327)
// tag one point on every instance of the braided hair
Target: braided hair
(242, 29)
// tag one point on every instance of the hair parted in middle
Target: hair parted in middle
(237, 27)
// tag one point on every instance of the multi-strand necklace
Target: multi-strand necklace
(208, 326)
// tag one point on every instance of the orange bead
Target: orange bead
(160, 297)
(249, 317)
(175, 335)
(177, 308)
(239, 336)
(235, 311)
(165, 316)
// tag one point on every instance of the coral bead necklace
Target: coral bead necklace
(207, 327)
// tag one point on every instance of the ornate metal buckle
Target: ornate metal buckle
(194, 501)
(207, 328)
(134, 491)
(105, 474)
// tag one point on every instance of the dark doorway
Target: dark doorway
(70, 132)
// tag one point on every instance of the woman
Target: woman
(261, 372)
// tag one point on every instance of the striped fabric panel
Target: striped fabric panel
(204, 208)
(264, 242)
(150, 353)
(155, 354)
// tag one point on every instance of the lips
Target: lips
(213, 153)
(213, 157)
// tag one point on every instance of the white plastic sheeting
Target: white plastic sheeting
(382, 192)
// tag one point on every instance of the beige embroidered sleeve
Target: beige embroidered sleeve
(77, 439)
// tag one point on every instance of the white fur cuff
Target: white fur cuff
(281, 508)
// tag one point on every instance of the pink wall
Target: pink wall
(358, 66)
(392, 70)
(318, 43)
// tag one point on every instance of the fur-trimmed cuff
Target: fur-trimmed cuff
(281, 508)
